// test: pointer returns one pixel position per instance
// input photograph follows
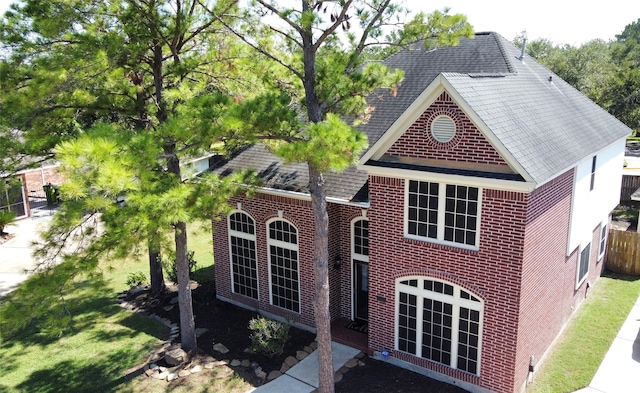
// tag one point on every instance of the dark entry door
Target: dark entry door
(361, 291)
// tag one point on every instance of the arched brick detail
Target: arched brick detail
(429, 273)
(457, 137)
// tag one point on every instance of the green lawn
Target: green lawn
(579, 351)
(106, 342)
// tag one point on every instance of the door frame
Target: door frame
(352, 261)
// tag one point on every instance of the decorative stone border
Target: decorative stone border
(170, 353)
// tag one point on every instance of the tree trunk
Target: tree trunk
(155, 269)
(321, 278)
(187, 323)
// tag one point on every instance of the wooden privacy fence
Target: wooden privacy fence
(629, 185)
(623, 255)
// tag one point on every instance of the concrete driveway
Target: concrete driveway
(16, 254)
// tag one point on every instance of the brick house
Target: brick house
(468, 233)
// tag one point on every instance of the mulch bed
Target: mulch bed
(226, 324)
(229, 325)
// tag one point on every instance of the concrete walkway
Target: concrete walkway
(619, 372)
(303, 377)
(16, 254)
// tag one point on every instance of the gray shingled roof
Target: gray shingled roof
(547, 127)
(295, 177)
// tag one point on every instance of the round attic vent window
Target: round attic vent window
(443, 128)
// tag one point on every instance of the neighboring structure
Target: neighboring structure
(467, 235)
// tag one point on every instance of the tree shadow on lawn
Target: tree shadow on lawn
(137, 324)
(90, 302)
(619, 276)
(82, 376)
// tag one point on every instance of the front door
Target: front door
(361, 291)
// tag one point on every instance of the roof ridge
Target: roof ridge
(503, 50)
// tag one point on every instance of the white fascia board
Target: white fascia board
(410, 115)
(307, 197)
(495, 184)
(439, 85)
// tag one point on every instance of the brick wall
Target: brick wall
(34, 179)
(493, 273)
(549, 296)
(264, 207)
(468, 145)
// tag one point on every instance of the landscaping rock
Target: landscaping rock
(201, 331)
(162, 375)
(314, 345)
(172, 377)
(169, 307)
(149, 372)
(337, 377)
(261, 375)
(273, 375)
(285, 367)
(246, 363)
(235, 363)
(351, 363)
(291, 361)
(196, 369)
(308, 349)
(258, 370)
(184, 373)
(220, 348)
(175, 357)
(301, 355)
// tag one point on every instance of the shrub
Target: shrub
(136, 278)
(269, 337)
(6, 218)
(171, 268)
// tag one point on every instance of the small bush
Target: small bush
(135, 279)
(269, 337)
(6, 218)
(171, 268)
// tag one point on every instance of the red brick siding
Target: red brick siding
(468, 145)
(493, 273)
(34, 179)
(264, 207)
(549, 296)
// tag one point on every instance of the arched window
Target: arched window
(439, 321)
(282, 241)
(360, 256)
(242, 248)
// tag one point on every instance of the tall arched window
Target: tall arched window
(360, 255)
(242, 248)
(439, 321)
(282, 241)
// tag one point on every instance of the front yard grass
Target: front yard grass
(578, 353)
(108, 342)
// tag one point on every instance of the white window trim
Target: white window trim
(247, 236)
(579, 281)
(454, 300)
(441, 213)
(604, 229)
(354, 255)
(289, 246)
